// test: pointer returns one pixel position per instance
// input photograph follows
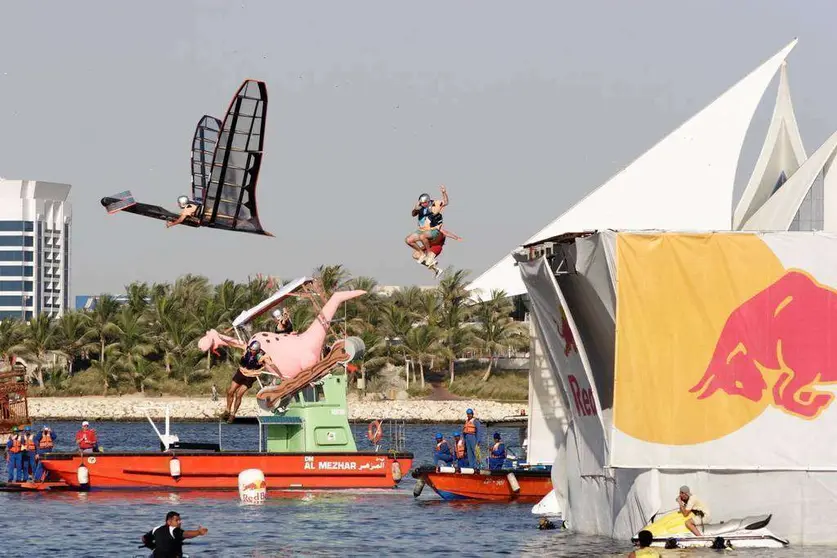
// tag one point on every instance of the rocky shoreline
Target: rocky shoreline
(131, 408)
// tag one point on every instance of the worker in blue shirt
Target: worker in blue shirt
(14, 451)
(442, 454)
(459, 450)
(473, 431)
(497, 456)
(45, 443)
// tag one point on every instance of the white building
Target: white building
(35, 225)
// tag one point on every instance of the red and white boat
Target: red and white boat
(505, 485)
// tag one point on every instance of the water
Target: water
(307, 523)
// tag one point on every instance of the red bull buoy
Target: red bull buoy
(252, 487)
(174, 468)
(83, 476)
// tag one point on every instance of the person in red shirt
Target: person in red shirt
(86, 439)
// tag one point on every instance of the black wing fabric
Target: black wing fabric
(230, 201)
(203, 149)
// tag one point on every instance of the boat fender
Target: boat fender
(418, 488)
(396, 471)
(466, 471)
(252, 487)
(174, 468)
(447, 469)
(374, 432)
(515, 486)
(83, 476)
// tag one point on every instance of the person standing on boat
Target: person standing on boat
(167, 539)
(251, 364)
(442, 453)
(472, 430)
(28, 454)
(14, 449)
(86, 439)
(693, 509)
(497, 456)
(459, 450)
(45, 442)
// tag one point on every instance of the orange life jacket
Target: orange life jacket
(460, 449)
(15, 444)
(29, 443)
(470, 427)
(46, 441)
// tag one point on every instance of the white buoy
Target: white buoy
(515, 486)
(466, 470)
(174, 468)
(396, 471)
(252, 487)
(83, 476)
(444, 469)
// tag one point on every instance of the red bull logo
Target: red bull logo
(779, 346)
(257, 485)
(566, 334)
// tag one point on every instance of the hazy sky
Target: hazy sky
(520, 108)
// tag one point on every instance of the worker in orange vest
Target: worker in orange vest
(30, 450)
(45, 442)
(459, 450)
(472, 431)
(14, 449)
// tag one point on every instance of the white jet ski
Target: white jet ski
(749, 532)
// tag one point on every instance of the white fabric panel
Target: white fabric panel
(684, 182)
(547, 422)
(778, 212)
(782, 151)
(583, 407)
(830, 195)
(591, 263)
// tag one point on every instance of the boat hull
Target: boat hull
(493, 486)
(219, 471)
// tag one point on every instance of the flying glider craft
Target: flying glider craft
(226, 158)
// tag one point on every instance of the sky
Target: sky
(520, 109)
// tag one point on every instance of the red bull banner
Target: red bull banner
(726, 350)
(566, 358)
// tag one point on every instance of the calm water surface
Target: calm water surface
(309, 523)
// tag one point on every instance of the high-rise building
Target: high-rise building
(35, 223)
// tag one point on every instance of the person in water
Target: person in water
(167, 540)
(251, 364)
(283, 321)
(188, 208)
(429, 215)
(644, 543)
(693, 509)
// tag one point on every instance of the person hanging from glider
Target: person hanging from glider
(189, 208)
(429, 238)
(252, 364)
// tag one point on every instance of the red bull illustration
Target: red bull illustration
(782, 332)
(258, 485)
(566, 334)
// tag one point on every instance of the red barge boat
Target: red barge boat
(505, 485)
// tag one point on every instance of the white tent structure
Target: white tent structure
(686, 181)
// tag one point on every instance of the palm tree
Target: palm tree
(10, 337)
(496, 327)
(138, 296)
(40, 337)
(332, 277)
(421, 343)
(100, 323)
(73, 337)
(109, 370)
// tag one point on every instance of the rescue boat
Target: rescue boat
(521, 484)
(310, 446)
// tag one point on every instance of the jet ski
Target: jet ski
(669, 531)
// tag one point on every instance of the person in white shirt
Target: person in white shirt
(693, 509)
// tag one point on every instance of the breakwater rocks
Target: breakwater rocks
(130, 408)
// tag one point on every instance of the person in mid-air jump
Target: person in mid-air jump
(429, 232)
(188, 208)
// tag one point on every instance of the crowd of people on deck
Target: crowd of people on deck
(463, 452)
(25, 449)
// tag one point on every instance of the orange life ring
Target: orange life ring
(374, 432)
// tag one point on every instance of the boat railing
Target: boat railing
(396, 434)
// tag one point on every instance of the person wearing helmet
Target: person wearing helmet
(429, 233)
(460, 451)
(497, 455)
(283, 321)
(249, 367)
(188, 208)
(441, 453)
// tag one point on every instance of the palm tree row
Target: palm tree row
(152, 335)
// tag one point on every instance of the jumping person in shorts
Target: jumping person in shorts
(252, 362)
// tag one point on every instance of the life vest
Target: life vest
(16, 447)
(29, 443)
(470, 427)
(46, 441)
(250, 361)
(460, 449)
